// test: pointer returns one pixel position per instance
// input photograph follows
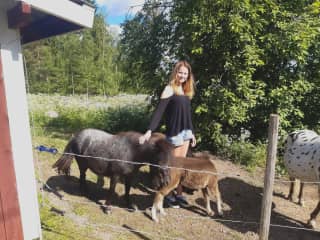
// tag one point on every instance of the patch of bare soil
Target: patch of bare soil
(241, 193)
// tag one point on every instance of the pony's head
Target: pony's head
(162, 153)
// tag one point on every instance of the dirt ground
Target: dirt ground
(241, 193)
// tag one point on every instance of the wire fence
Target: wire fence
(220, 174)
(180, 216)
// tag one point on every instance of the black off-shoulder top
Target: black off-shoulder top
(177, 110)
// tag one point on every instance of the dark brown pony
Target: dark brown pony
(116, 156)
(201, 174)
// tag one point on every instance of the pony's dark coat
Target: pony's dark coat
(114, 156)
(203, 175)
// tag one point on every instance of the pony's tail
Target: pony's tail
(64, 162)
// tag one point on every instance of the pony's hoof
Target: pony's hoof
(312, 224)
(133, 208)
(301, 203)
(154, 215)
(211, 214)
(163, 213)
(220, 214)
(155, 219)
(106, 209)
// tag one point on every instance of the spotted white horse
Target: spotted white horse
(302, 160)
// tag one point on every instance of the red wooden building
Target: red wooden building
(23, 22)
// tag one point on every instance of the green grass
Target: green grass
(58, 227)
(70, 114)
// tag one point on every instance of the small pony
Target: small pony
(302, 161)
(201, 174)
(116, 156)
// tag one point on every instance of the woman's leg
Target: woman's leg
(181, 151)
(170, 199)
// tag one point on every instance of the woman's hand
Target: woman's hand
(193, 141)
(145, 137)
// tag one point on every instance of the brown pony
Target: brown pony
(201, 174)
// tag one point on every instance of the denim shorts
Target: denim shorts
(180, 138)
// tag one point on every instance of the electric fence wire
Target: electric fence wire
(168, 167)
(180, 215)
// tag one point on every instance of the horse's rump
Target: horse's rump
(302, 151)
(78, 147)
(301, 159)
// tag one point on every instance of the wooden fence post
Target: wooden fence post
(269, 177)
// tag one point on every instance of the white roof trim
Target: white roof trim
(79, 14)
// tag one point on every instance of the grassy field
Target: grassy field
(53, 120)
(67, 114)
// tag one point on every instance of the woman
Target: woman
(175, 103)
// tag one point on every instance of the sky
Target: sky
(116, 10)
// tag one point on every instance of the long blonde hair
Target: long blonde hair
(188, 85)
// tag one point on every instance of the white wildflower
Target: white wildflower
(52, 114)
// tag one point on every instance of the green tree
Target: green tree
(144, 47)
(81, 62)
(250, 59)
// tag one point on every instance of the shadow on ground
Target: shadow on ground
(243, 199)
(245, 202)
(70, 185)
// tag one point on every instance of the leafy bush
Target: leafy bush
(246, 153)
(253, 155)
